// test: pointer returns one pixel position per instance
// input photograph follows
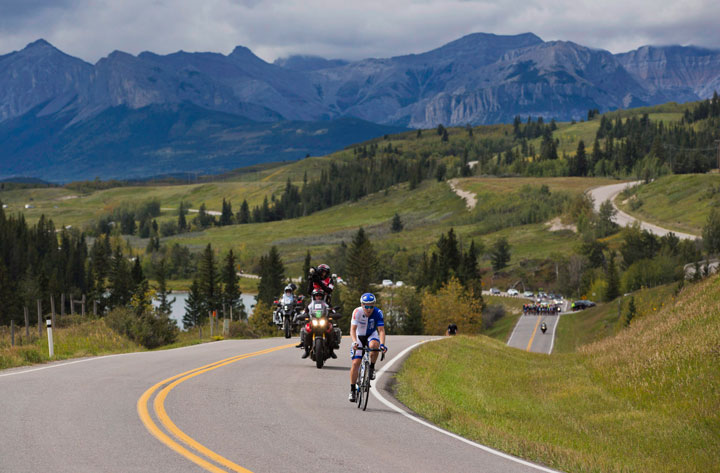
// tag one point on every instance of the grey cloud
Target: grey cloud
(375, 28)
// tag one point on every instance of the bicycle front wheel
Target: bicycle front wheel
(366, 387)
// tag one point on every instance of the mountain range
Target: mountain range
(126, 116)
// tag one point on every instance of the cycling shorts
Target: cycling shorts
(357, 354)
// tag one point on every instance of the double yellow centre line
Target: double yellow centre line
(533, 334)
(161, 414)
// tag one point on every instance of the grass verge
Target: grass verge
(643, 400)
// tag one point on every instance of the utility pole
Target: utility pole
(718, 154)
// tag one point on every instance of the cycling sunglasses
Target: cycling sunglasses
(368, 307)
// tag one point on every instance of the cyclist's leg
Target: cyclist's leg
(356, 357)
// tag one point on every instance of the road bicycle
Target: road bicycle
(363, 384)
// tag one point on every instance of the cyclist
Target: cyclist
(367, 329)
(451, 330)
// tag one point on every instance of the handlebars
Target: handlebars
(364, 349)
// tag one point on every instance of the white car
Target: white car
(512, 292)
(387, 283)
(399, 283)
(528, 294)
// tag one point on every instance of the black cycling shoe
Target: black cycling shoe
(372, 373)
(299, 345)
(305, 355)
(353, 396)
(333, 355)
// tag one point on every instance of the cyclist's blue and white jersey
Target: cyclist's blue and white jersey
(367, 325)
(366, 328)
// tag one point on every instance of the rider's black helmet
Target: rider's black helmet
(324, 267)
(317, 292)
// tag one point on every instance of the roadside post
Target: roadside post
(12, 333)
(50, 338)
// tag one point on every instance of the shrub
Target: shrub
(492, 314)
(149, 329)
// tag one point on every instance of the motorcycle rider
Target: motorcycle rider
(367, 329)
(320, 279)
(317, 297)
(287, 298)
(543, 327)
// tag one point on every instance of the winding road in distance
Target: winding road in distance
(603, 193)
(234, 405)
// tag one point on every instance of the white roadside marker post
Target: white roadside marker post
(50, 338)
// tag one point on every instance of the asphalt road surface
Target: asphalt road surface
(601, 194)
(527, 334)
(262, 409)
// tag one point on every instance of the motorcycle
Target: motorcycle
(321, 333)
(543, 327)
(286, 312)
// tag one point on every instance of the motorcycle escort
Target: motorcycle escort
(321, 334)
(286, 312)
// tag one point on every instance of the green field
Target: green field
(642, 400)
(677, 202)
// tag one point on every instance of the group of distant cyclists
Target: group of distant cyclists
(541, 309)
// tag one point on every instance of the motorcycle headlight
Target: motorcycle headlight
(287, 307)
(322, 322)
(314, 322)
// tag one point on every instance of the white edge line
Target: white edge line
(60, 365)
(516, 327)
(377, 394)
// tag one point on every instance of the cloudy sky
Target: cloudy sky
(92, 29)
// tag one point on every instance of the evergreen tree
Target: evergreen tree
(182, 222)
(307, 263)
(397, 224)
(711, 232)
(632, 311)
(500, 254)
(120, 282)
(243, 215)
(137, 272)
(613, 280)
(231, 294)
(226, 217)
(195, 310)
(361, 263)
(162, 292)
(579, 163)
(208, 279)
(272, 277)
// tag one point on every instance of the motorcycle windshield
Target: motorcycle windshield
(287, 299)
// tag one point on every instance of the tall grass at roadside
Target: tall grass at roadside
(677, 202)
(643, 400)
(606, 319)
(89, 338)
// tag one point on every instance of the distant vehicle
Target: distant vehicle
(387, 283)
(582, 305)
(341, 281)
(528, 294)
(399, 284)
(512, 292)
(5, 206)
(29, 206)
(495, 291)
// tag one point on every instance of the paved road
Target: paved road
(601, 194)
(259, 410)
(527, 334)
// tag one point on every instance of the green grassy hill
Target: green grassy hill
(642, 400)
(677, 202)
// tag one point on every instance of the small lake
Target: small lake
(178, 307)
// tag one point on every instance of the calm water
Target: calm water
(178, 307)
